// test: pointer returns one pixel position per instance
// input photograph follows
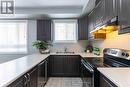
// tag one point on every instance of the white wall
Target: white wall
(31, 38)
(113, 40)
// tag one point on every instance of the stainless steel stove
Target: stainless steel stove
(113, 57)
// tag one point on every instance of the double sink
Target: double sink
(65, 52)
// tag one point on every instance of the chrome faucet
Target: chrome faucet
(65, 50)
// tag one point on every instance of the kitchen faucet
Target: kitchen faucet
(65, 50)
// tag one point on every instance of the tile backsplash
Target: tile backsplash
(73, 47)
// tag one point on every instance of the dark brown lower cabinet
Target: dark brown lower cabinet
(64, 65)
(27, 80)
(33, 77)
(58, 65)
(55, 66)
(71, 65)
(105, 82)
(20, 82)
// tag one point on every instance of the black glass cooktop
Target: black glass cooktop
(95, 62)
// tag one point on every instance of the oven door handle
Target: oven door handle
(87, 67)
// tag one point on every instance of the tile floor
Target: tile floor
(64, 82)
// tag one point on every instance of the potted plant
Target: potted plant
(41, 45)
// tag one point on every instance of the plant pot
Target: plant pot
(44, 51)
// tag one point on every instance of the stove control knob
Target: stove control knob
(123, 54)
(127, 55)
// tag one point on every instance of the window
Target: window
(13, 36)
(65, 31)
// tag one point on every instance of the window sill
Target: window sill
(13, 53)
(64, 42)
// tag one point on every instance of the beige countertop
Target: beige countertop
(13, 69)
(119, 76)
(10, 71)
(81, 54)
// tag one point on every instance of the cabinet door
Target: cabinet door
(63, 65)
(71, 65)
(91, 23)
(110, 10)
(99, 13)
(97, 1)
(83, 28)
(33, 77)
(56, 66)
(42, 73)
(124, 16)
(20, 82)
(44, 30)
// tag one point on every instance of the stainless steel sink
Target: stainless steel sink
(65, 52)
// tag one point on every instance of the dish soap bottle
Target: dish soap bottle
(96, 51)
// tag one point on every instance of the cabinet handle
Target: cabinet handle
(26, 80)
(28, 77)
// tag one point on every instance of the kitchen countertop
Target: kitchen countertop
(81, 54)
(12, 70)
(119, 76)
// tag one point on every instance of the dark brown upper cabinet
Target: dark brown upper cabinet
(44, 30)
(110, 10)
(97, 1)
(83, 28)
(104, 11)
(124, 16)
(99, 13)
(91, 23)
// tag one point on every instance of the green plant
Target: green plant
(39, 44)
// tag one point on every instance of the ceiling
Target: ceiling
(48, 3)
(50, 8)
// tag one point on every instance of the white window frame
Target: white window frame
(26, 36)
(67, 21)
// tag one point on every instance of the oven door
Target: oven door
(87, 74)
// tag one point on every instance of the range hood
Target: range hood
(101, 31)
(112, 22)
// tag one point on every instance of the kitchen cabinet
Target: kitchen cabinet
(71, 65)
(83, 28)
(105, 82)
(32, 77)
(110, 10)
(99, 13)
(62, 65)
(97, 1)
(20, 82)
(124, 16)
(42, 73)
(27, 80)
(56, 66)
(104, 11)
(91, 23)
(44, 30)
